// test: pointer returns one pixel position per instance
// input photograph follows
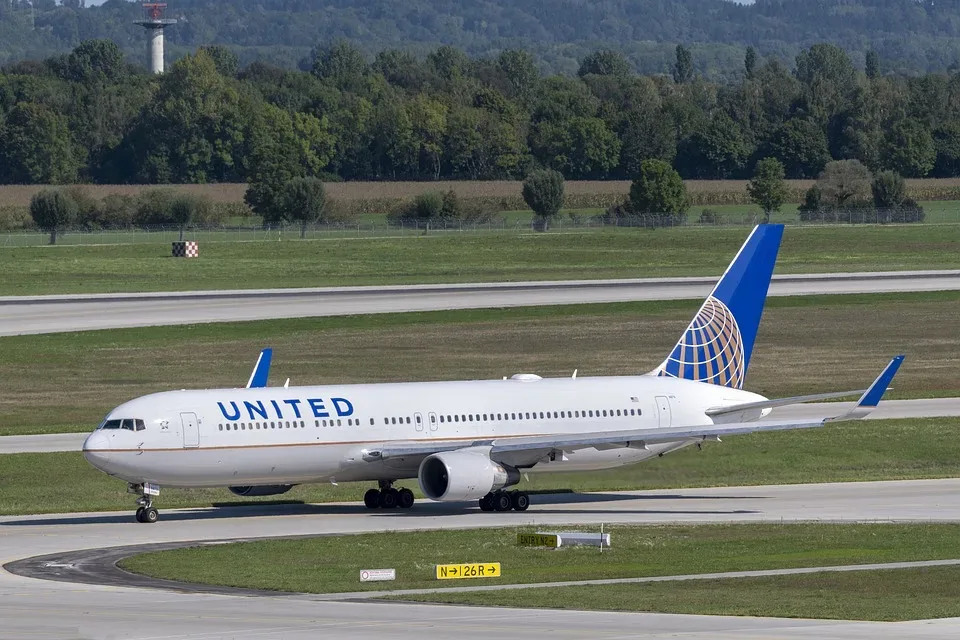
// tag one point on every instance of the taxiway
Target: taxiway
(53, 314)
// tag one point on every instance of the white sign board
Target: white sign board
(377, 575)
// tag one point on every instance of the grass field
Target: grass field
(612, 253)
(331, 564)
(858, 451)
(67, 382)
(895, 595)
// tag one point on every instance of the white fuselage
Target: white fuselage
(278, 436)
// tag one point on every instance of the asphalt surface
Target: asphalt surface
(924, 408)
(52, 609)
(53, 314)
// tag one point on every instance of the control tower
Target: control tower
(154, 22)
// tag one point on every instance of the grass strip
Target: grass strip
(331, 564)
(67, 382)
(610, 253)
(883, 595)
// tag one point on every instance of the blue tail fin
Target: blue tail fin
(716, 347)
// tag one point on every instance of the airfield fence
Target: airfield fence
(380, 229)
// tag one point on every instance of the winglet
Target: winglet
(871, 397)
(261, 371)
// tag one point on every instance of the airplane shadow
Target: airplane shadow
(422, 509)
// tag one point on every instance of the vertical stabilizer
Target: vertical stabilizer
(716, 347)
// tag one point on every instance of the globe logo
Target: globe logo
(711, 349)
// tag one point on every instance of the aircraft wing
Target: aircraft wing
(641, 438)
(778, 402)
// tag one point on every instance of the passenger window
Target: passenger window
(463, 418)
(408, 419)
(393, 420)
(441, 419)
(371, 422)
(338, 422)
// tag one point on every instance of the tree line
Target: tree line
(91, 116)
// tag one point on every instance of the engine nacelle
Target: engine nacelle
(265, 490)
(463, 475)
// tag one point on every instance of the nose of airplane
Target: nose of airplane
(96, 449)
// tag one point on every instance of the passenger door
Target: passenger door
(191, 431)
(664, 414)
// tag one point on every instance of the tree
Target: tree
(844, 184)
(543, 193)
(750, 62)
(182, 211)
(659, 191)
(36, 147)
(303, 200)
(95, 61)
(889, 190)
(52, 210)
(768, 189)
(605, 62)
(342, 64)
(225, 60)
(579, 147)
(829, 78)
(801, 145)
(872, 65)
(520, 69)
(909, 149)
(683, 68)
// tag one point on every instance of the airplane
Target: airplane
(464, 440)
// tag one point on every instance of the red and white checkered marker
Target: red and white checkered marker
(186, 250)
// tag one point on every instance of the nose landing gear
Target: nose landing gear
(145, 511)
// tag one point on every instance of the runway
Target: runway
(47, 609)
(53, 314)
(888, 409)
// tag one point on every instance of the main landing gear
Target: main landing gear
(386, 497)
(145, 511)
(504, 501)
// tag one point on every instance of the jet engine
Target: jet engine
(265, 490)
(463, 475)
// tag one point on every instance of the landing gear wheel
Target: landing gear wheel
(520, 501)
(149, 515)
(405, 498)
(388, 499)
(501, 501)
(371, 499)
(486, 503)
(140, 514)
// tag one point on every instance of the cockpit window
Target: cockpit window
(130, 424)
